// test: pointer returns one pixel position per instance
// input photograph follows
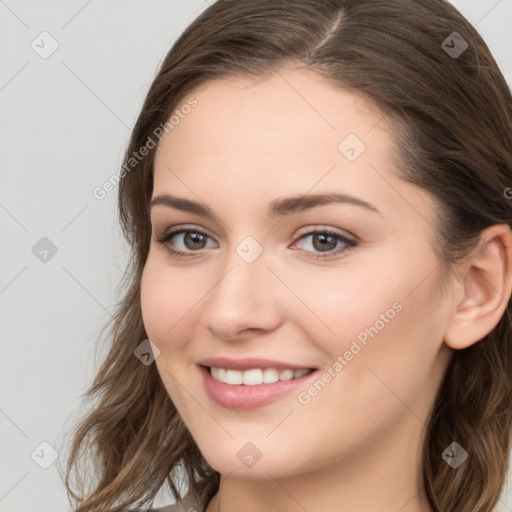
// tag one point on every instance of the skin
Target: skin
(245, 144)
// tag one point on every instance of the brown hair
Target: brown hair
(452, 122)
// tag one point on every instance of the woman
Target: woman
(315, 194)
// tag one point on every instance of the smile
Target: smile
(252, 383)
(256, 376)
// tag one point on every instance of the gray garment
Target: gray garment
(187, 504)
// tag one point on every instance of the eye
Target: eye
(193, 239)
(326, 240)
(323, 240)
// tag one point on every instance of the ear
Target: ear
(486, 289)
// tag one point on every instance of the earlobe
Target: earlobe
(486, 289)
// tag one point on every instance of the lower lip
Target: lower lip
(243, 397)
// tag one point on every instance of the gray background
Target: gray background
(64, 125)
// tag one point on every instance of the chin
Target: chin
(246, 460)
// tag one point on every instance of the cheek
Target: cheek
(388, 318)
(383, 378)
(338, 306)
(172, 299)
(395, 354)
(164, 299)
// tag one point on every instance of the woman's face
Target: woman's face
(255, 289)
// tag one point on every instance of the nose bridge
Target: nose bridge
(245, 273)
(245, 266)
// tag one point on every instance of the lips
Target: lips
(247, 397)
(245, 384)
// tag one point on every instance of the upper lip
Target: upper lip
(249, 364)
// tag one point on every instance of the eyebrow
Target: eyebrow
(279, 207)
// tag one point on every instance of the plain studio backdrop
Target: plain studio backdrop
(73, 77)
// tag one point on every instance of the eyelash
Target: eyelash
(349, 244)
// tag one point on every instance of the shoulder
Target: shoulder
(187, 504)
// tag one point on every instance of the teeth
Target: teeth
(233, 377)
(252, 377)
(256, 376)
(286, 375)
(300, 373)
(270, 376)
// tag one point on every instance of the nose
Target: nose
(244, 299)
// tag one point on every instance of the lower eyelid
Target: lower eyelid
(348, 242)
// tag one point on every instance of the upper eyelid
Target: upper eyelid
(223, 231)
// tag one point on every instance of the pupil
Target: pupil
(196, 239)
(323, 238)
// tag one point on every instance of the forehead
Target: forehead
(294, 119)
(248, 142)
